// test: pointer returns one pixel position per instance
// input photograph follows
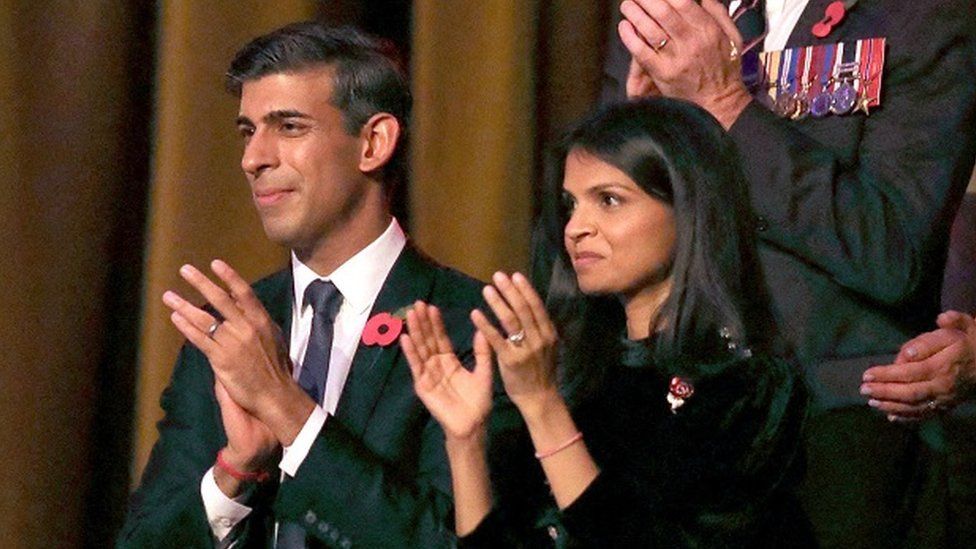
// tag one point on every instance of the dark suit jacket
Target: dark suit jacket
(376, 476)
(853, 215)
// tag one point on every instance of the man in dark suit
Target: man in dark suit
(853, 212)
(336, 451)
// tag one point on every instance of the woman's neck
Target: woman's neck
(642, 309)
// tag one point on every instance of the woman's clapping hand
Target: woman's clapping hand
(459, 399)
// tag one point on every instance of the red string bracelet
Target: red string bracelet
(254, 476)
(569, 442)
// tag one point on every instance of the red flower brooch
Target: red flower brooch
(678, 392)
(382, 329)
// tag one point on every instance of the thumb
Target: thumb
(639, 83)
(925, 345)
(221, 392)
(954, 319)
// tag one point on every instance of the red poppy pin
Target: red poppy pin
(680, 390)
(383, 328)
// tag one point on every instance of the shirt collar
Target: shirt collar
(361, 277)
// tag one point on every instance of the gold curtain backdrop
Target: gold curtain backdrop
(474, 122)
(64, 111)
(199, 205)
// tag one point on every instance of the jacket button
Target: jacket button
(553, 532)
(310, 517)
(761, 224)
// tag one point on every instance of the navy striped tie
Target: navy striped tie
(325, 300)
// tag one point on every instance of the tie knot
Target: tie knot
(324, 298)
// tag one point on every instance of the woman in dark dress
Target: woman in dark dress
(643, 404)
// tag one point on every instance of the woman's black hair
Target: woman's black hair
(677, 153)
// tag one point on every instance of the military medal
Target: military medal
(847, 75)
(785, 104)
(829, 79)
(820, 104)
(801, 84)
(844, 98)
(871, 62)
(823, 64)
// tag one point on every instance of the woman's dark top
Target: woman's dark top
(715, 473)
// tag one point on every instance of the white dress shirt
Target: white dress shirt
(359, 280)
(781, 17)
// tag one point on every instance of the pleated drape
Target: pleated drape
(67, 124)
(474, 131)
(200, 206)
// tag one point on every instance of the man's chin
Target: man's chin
(282, 236)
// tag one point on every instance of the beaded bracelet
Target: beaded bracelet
(254, 476)
(569, 442)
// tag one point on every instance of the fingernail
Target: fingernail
(874, 403)
(912, 352)
(170, 298)
(217, 264)
(518, 277)
(186, 270)
(865, 390)
(892, 417)
(867, 378)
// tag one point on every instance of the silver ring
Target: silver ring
(213, 329)
(517, 338)
(660, 45)
(933, 405)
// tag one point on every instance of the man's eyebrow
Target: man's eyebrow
(272, 117)
(276, 116)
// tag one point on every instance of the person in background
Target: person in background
(856, 127)
(647, 385)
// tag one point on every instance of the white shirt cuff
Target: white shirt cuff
(223, 513)
(292, 456)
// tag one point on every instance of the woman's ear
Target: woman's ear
(380, 136)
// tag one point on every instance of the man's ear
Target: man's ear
(380, 135)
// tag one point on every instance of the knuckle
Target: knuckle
(248, 332)
(263, 325)
(947, 386)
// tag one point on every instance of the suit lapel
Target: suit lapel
(409, 280)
